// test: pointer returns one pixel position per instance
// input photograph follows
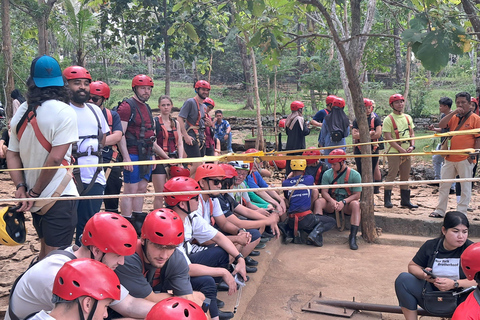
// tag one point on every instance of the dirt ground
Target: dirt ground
(288, 276)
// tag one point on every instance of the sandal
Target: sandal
(434, 215)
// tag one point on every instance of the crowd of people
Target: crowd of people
(193, 244)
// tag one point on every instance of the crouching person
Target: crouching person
(83, 289)
(157, 266)
(338, 199)
(300, 217)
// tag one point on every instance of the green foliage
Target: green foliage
(325, 76)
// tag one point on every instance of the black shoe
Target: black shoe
(220, 304)
(316, 237)
(260, 246)
(287, 233)
(264, 240)
(223, 286)
(266, 234)
(405, 199)
(452, 191)
(138, 218)
(225, 315)
(254, 253)
(387, 199)
(250, 269)
(352, 238)
(250, 262)
(376, 189)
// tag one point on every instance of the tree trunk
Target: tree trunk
(470, 10)
(407, 74)
(275, 106)
(259, 141)
(166, 43)
(42, 36)
(7, 56)
(313, 100)
(398, 56)
(247, 75)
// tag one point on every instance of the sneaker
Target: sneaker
(452, 191)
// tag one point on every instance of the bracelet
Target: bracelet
(33, 194)
(22, 184)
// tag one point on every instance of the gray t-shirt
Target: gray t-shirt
(189, 112)
(173, 276)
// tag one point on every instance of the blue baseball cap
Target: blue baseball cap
(45, 72)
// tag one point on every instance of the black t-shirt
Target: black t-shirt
(173, 276)
(447, 263)
(227, 203)
(5, 137)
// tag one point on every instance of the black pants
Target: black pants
(114, 185)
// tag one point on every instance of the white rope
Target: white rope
(333, 186)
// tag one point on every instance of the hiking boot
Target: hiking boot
(387, 199)
(352, 238)
(138, 219)
(376, 189)
(405, 199)
(316, 237)
(250, 262)
(287, 233)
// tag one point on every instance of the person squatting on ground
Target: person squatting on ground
(99, 94)
(191, 120)
(299, 211)
(315, 167)
(335, 128)
(338, 199)
(169, 145)
(176, 308)
(157, 267)
(92, 128)
(445, 106)
(470, 262)
(462, 165)
(296, 128)
(107, 238)
(441, 257)
(82, 289)
(223, 131)
(317, 120)
(136, 145)
(398, 125)
(375, 125)
(206, 247)
(54, 221)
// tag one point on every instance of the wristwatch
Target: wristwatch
(455, 284)
(344, 202)
(241, 229)
(237, 257)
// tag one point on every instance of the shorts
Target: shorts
(134, 177)
(193, 151)
(159, 169)
(57, 226)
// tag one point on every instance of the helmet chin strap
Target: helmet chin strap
(91, 313)
(188, 208)
(135, 91)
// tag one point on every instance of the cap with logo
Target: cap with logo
(45, 72)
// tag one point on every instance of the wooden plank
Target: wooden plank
(312, 306)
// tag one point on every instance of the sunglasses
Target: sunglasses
(95, 98)
(195, 198)
(216, 181)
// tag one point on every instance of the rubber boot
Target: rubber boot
(405, 199)
(287, 233)
(376, 189)
(316, 237)
(352, 238)
(387, 199)
(138, 219)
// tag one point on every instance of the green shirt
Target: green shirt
(402, 126)
(340, 193)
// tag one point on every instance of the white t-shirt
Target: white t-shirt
(88, 126)
(33, 292)
(42, 315)
(241, 197)
(58, 124)
(204, 208)
(195, 227)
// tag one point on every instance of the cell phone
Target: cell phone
(429, 273)
(239, 280)
(206, 304)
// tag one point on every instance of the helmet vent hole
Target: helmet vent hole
(180, 234)
(89, 234)
(76, 284)
(60, 279)
(175, 305)
(162, 217)
(159, 234)
(124, 226)
(114, 218)
(467, 267)
(186, 313)
(128, 245)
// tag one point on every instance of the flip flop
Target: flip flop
(434, 215)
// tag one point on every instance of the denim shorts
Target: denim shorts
(134, 176)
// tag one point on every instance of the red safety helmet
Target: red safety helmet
(202, 84)
(474, 100)
(208, 170)
(281, 164)
(337, 152)
(230, 171)
(368, 103)
(338, 102)
(251, 150)
(395, 97)
(470, 260)
(282, 123)
(180, 184)
(296, 105)
(100, 88)
(329, 99)
(86, 277)
(142, 80)
(179, 171)
(163, 227)
(176, 308)
(311, 153)
(209, 101)
(110, 232)
(76, 72)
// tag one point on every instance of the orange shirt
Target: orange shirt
(463, 141)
